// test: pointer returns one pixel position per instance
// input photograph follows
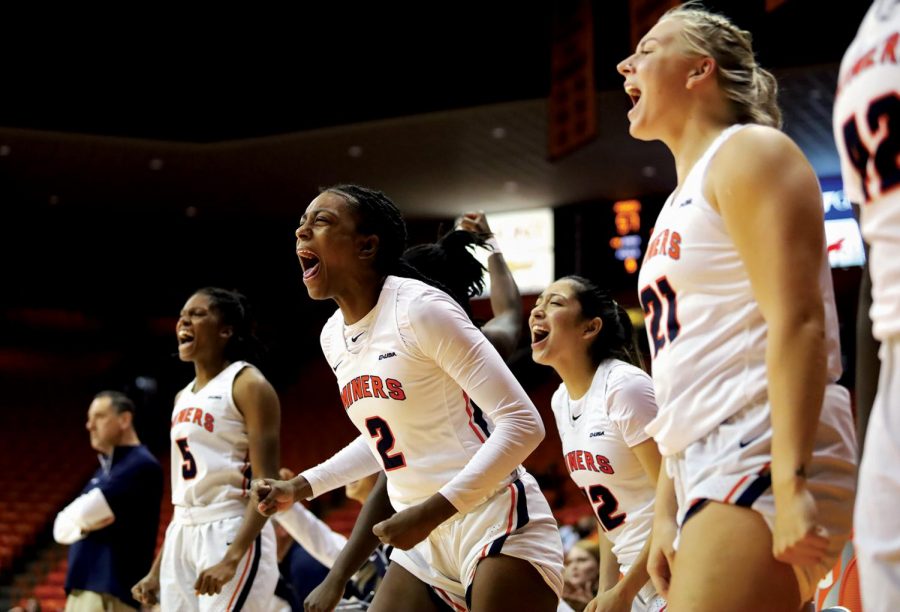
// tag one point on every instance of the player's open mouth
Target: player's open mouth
(309, 261)
(185, 338)
(538, 336)
(635, 94)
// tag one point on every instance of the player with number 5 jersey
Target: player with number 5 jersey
(601, 408)
(867, 132)
(759, 440)
(218, 554)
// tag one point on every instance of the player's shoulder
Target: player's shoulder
(755, 148)
(559, 397)
(417, 301)
(250, 378)
(622, 375)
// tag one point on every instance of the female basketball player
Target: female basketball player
(450, 263)
(736, 290)
(866, 119)
(217, 554)
(471, 523)
(601, 409)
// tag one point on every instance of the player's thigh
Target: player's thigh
(510, 583)
(724, 562)
(400, 591)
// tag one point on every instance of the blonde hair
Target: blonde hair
(752, 90)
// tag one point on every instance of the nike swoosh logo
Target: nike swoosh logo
(575, 418)
(337, 364)
(356, 337)
(744, 443)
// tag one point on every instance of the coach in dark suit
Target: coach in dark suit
(112, 525)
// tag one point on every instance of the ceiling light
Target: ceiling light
(355, 151)
(156, 164)
(498, 133)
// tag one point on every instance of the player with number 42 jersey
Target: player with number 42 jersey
(867, 133)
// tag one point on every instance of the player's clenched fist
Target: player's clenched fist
(147, 590)
(271, 496)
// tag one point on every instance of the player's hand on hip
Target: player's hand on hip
(212, 579)
(147, 590)
(662, 554)
(324, 598)
(271, 496)
(798, 538)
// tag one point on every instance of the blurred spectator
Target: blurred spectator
(112, 525)
(581, 574)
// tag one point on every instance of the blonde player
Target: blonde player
(866, 129)
(601, 409)
(471, 524)
(218, 552)
(736, 290)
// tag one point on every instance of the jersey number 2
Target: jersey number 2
(652, 303)
(378, 428)
(608, 505)
(879, 120)
(188, 466)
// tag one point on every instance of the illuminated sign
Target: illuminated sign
(627, 243)
(526, 238)
(845, 245)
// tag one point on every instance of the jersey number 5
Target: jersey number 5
(379, 429)
(188, 466)
(879, 120)
(652, 303)
(608, 505)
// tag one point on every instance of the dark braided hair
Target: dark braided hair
(616, 338)
(377, 214)
(450, 261)
(234, 310)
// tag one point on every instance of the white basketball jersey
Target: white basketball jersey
(867, 133)
(597, 432)
(210, 450)
(417, 420)
(706, 332)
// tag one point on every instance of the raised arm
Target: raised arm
(505, 328)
